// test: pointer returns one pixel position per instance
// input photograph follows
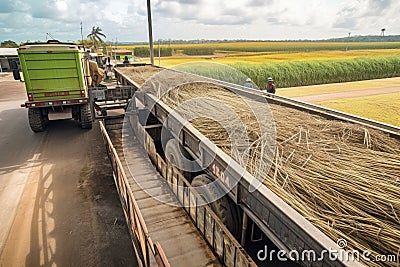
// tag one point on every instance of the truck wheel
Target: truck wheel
(223, 207)
(36, 120)
(85, 117)
(178, 156)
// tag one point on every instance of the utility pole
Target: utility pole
(82, 36)
(150, 25)
(116, 47)
(159, 52)
(348, 40)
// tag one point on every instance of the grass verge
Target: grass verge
(384, 108)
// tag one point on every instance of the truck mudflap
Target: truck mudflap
(147, 251)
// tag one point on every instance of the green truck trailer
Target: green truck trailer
(57, 79)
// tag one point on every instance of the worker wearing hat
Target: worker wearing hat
(271, 86)
(248, 83)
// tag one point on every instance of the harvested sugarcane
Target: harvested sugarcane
(344, 178)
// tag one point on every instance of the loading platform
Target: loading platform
(180, 240)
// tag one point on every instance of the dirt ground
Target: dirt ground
(69, 212)
(11, 89)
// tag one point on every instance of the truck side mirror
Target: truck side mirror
(14, 67)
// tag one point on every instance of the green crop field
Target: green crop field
(204, 49)
(384, 108)
(302, 73)
(272, 57)
(291, 64)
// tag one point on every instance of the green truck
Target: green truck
(57, 78)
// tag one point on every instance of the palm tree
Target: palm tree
(95, 36)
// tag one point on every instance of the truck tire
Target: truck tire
(178, 156)
(85, 117)
(36, 120)
(223, 207)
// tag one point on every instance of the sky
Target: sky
(124, 21)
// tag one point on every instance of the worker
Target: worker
(248, 83)
(271, 86)
(108, 70)
(126, 60)
(96, 74)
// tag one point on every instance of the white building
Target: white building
(6, 56)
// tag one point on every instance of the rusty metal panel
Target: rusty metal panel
(230, 252)
(218, 241)
(193, 205)
(180, 189)
(209, 227)
(161, 259)
(150, 147)
(186, 200)
(200, 218)
(163, 167)
(241, 259)
(191, 142)
(169, 174)
(174, 183)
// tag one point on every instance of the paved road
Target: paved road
(18, 146)
(59, 203)
(350, 94)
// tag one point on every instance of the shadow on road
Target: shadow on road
(18, 142)
(74, 214)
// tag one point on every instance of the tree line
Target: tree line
(9, 44)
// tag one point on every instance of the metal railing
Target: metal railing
(103, 99)
(144, 246)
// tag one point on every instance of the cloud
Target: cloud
(62, 19)
(260, 3)
(365, 13)
(347, 18)
(380, 5)
(7, 6)
(191, 2)
(195, 19)
(205, 12)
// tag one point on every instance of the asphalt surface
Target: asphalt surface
(59, 202)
